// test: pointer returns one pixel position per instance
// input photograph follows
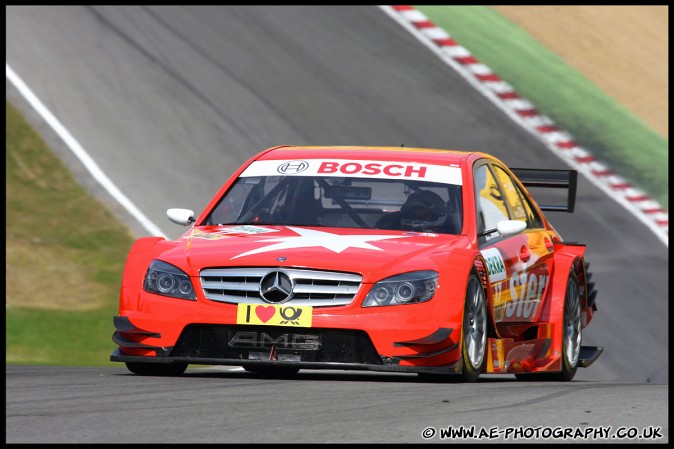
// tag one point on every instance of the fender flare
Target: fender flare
(567, 258)
(460, 265)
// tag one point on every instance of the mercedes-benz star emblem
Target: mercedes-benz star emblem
(276, 287)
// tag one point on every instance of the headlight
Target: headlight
(414, 287)
(164, 279)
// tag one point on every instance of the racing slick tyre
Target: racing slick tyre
(473, 335)
(156, 369)
(571, 337)
(272, 371)
(474, 330)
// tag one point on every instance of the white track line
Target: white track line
(81, 154)
(522, 112)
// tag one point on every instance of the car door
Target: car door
(519, 265)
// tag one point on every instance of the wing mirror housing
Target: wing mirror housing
(510, 227)
(183, 217)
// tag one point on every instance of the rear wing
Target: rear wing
(556, 179)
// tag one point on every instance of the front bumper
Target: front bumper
(306, 348)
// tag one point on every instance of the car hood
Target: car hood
(371, 252)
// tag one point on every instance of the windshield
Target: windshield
(348, 202)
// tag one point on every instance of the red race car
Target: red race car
(414, 260)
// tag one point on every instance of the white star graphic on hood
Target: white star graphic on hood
(309, 237)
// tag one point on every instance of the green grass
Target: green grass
(596, 121)
(65, 254)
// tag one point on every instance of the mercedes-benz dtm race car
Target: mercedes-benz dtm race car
(414, 260)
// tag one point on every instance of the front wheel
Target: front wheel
(474, 330)
(473, 336)
(156, 369)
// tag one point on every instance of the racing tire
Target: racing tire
(473, 335)
(272, 371)
(474, 330)
(571, 337)
(156, 369)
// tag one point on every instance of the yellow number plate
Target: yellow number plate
(273, 315)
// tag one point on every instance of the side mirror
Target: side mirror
(183, 217)
(510, 227)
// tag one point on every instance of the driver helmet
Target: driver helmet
(423, 211)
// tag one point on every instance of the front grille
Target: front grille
(313, 345)
(312, 287)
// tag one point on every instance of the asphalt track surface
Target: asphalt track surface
(225, 405)
(169, 101)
